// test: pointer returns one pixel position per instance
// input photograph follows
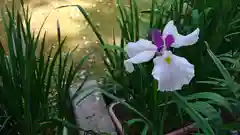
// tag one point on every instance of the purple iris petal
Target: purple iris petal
(157, 38)
(169, 40)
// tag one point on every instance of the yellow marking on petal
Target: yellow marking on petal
(168, 60)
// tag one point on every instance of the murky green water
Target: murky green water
(73, 24)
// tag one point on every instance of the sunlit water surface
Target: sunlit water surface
(73, 25)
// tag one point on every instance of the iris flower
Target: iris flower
(171, 71)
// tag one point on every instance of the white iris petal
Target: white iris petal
(180, 40)
(172, 71)
(134, 48)
(128, 66)
(139, 52)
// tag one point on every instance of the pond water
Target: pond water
(73, 25)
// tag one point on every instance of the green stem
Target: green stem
(155, 115)
(161, 131)
(155, 87)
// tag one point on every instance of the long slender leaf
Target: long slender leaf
(200, 121)
(222, 69)
(218, 99)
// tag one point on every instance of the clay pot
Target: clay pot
(119, 114)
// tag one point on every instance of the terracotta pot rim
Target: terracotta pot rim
(181, 131)
(114, 118)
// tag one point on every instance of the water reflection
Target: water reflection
(73, 24)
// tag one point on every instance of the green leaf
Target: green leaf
(199, 134)
(32, 79)
(210, 82)
(200, 121)
(222, 69)
(47, 124)
(207, 110)
(218, 99)
(113, 47)
(150, 11)
(227, 59)
(231, 126)
(132, 121)
(2, 126)
(145, 130)
(152, 15)
(195, 16)
(136, 19)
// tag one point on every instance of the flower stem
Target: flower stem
(155, 116)
(155, 87)
(161, 131)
